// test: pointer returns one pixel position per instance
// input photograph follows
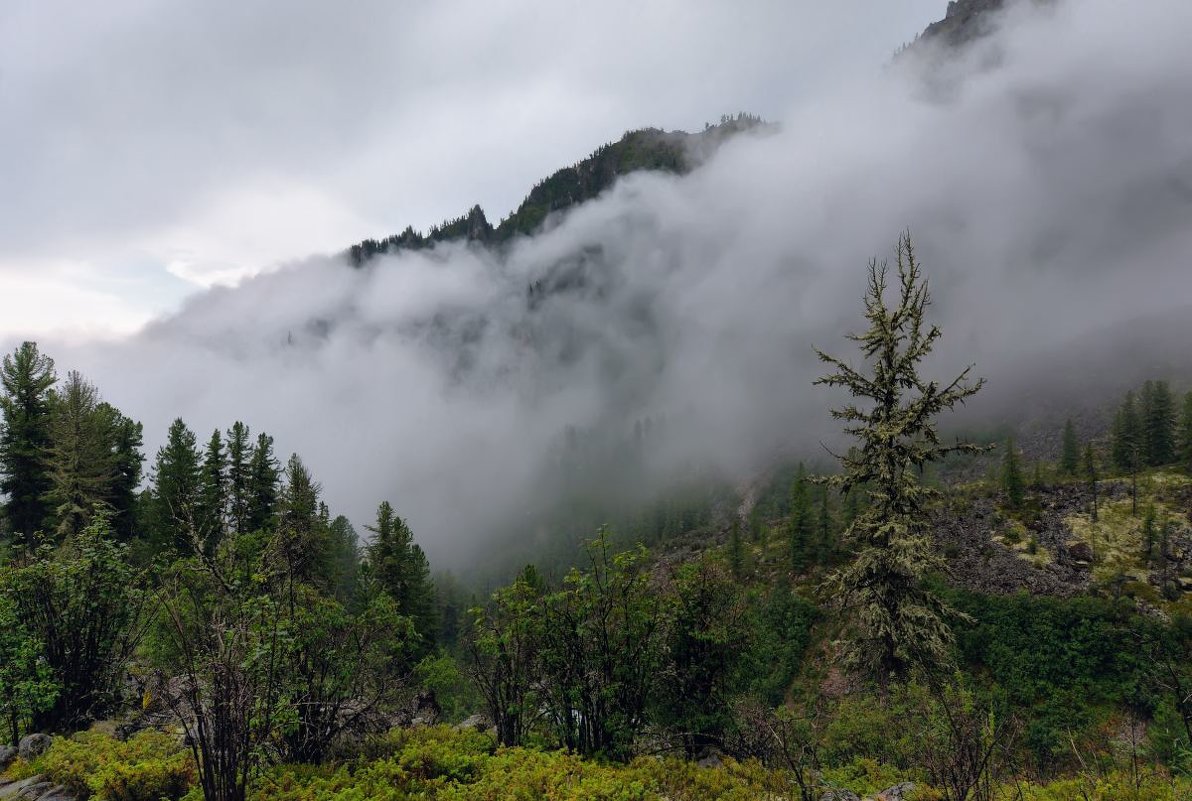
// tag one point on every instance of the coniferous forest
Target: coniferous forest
(885, 535)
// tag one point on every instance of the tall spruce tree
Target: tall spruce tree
(801, 528)
(213, 493)
(176, 487)
(240, 452)
(1185, 447)
(301, 527)
(125, 440)
(399, 567)
(1128, 441)
(1012, 483)
(263, 477)
(82, 462)
(826, 539)
(1158, 422)
(1069, 450)
(27, 379)
(895, 620)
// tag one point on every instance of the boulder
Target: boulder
(33, 745)
(7, 754)
(898, 792)
(477, 722)
(840, 795)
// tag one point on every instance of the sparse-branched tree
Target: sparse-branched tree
(1090, 475)
(895, 620)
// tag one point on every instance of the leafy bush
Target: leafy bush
(147, 767)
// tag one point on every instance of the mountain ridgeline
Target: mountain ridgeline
(676, 152)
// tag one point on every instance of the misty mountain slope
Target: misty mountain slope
(1047, 194)
(675, 152)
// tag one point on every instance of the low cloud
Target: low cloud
(1046, 175)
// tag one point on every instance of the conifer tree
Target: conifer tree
(1129, 441)
(240, 453)
(801, 529)
(125, 440)
(82, 464)
(826, 543)
(896, 621)
(302, 534)
(1126, 436)
(1090, 475)
(213, 492)
(736, 549)
(1185, 445)
(1159, 424)
(176, 487)
(1012, 483)
(344, 557)
(400, 569)
(263, 477)
(26, 381)
(1070, 450)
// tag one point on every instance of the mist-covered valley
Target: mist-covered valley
(1044, 173)
(838, 450)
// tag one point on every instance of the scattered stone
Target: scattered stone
(33, 745)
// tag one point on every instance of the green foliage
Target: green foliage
(438, 763)
(1069, 450)
(149, 766)
(896, 622)
(399, 567)
(601, 653)
(176, 491)
(27, 686)
(84, 604)
(801, 530)
(1185, 436)
(26, 379)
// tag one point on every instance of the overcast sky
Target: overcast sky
(148, 149)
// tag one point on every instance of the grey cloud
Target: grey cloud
(1043, 175)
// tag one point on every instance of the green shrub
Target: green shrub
(147, 767)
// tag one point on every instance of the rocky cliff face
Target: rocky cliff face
(964, 21)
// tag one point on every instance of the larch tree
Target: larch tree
(895, 621)
(27, 379)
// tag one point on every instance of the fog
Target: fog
(1045, 175)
